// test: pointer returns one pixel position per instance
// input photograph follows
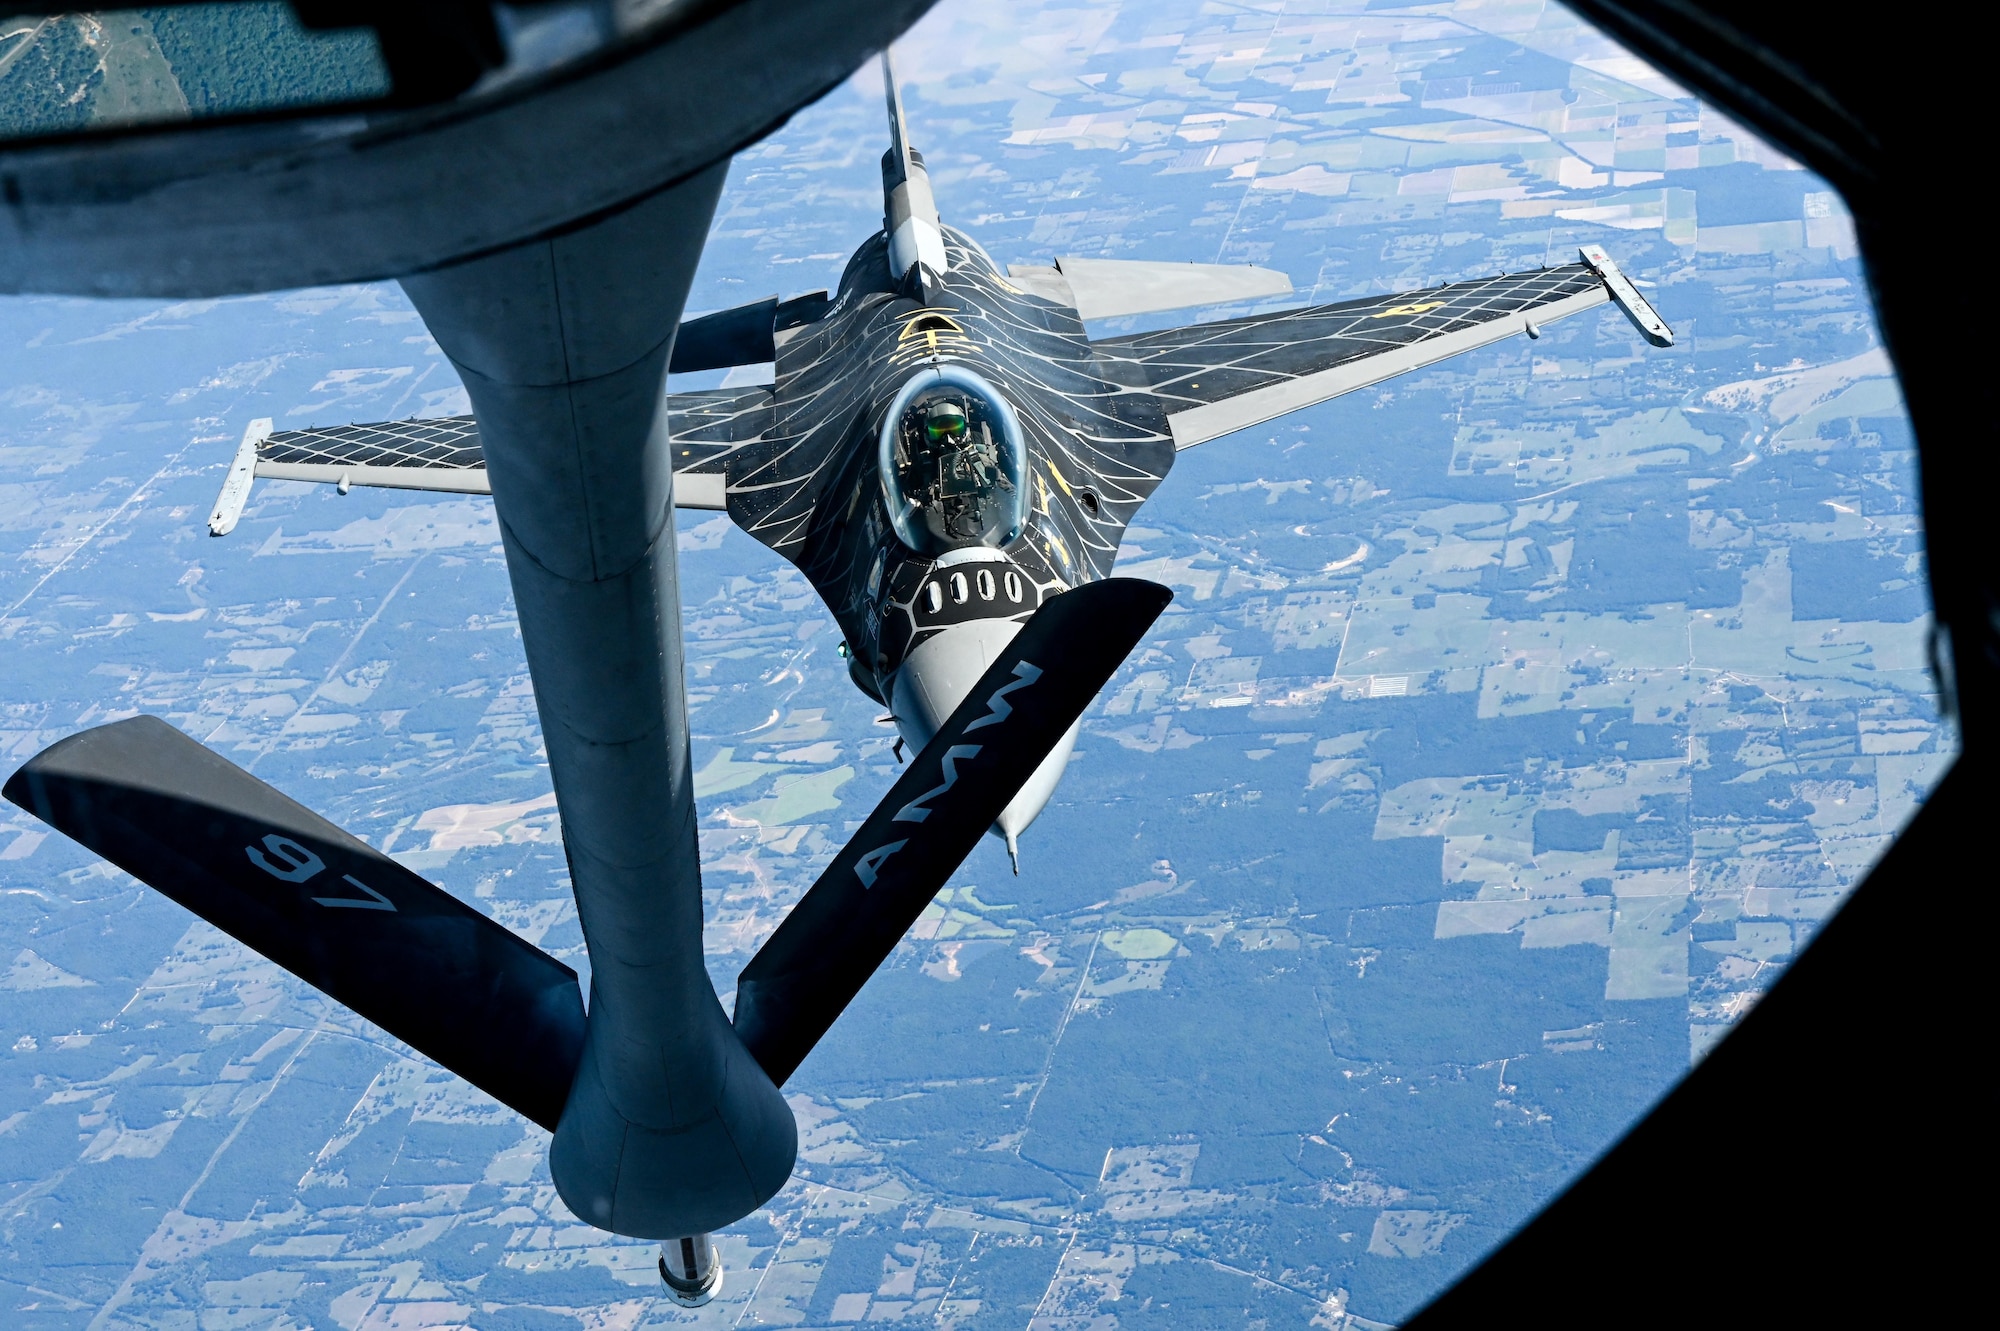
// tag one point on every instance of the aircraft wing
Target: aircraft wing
(443, 454)
(1215, 378)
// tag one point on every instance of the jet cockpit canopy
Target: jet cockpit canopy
(953, 462)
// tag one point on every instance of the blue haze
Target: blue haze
(1515, 722)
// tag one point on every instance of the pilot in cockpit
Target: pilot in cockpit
(950, 466)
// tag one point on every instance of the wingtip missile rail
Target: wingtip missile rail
(1626, 296)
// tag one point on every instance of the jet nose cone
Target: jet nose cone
(940, 671)
(1034, 796)
(938, 675)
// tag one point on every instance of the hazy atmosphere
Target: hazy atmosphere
(1514, 724)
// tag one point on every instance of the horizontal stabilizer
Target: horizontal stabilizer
(853, 917)
(739, 336)
(744, 335)
(341, 916)
(1113, 288)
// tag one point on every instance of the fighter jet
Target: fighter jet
(944, 447)
(952, 459)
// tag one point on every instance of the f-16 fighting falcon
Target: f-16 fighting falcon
(951, 459)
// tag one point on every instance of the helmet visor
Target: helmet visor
(944, 423)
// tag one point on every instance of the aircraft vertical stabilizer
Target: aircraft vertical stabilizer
(909, 212)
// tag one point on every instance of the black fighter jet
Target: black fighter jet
(952, 460)
(945, 447)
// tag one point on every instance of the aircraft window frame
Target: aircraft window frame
(1011, 443)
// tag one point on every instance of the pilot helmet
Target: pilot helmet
(944, 422)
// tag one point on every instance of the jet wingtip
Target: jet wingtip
(1627, 296)
(16, 791)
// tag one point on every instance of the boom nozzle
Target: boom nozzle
(690, 1270)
